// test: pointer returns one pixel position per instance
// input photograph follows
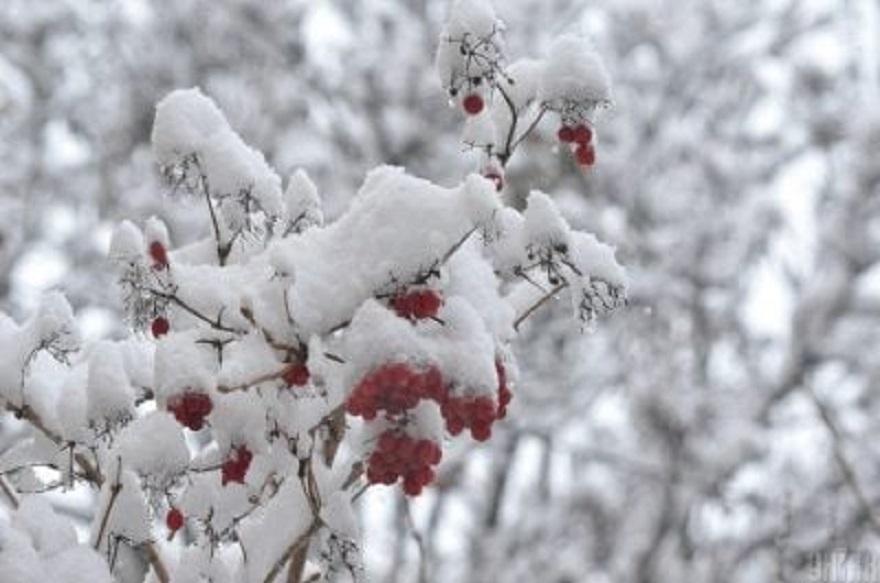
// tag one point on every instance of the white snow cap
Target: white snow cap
(302, 202)
(471, 17)
(189, 123)
(574, 71)
(397, 226)
(110, 396)
(127, 242)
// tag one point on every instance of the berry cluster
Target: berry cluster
(417, 305)
(235, 467)
(190, 409)
(159, 255)
(581, 137)
(474, 413)
(296, 375)
(174, 520)
(394, 388)
(160, 326)
(399, 455)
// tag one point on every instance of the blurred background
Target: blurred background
(720, 429)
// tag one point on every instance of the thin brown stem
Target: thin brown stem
(534, 307)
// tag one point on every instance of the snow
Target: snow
(266, 535)
(154, 447)
(181, 364)
(574, 72)
(526, 75)
(189, 124)
(127, 243)
(38, 545)
(185, 121)
(397, 227)
(109, 394)
(302, 202)
(472, 17)
(544, 225)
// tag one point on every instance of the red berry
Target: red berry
(417, 305)
(174, 520)
(296, 375)
(565, 134)
(159, 255)
(412, 486)
(582, 134)
(160, 327)
(481, 431)
(235, 468)
(585, 155)
(496, 178)
(473, 104)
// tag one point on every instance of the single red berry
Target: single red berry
(174, 520)
(411, 485)
(496, 178)
(428, 304)
(473, 104)
(585, 155)
(582, 134)
(159, 255)
(296, 375)
(235, 468)
(565, 134)
(160, 327)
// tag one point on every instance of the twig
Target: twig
(156, 562)
(115, 489)
(538, 304)
(9, 491)
(301, 541)
(849, 474)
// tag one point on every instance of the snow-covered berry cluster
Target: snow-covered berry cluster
(506, 103)
(309, 357)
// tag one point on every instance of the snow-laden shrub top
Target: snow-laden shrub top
(282, 364)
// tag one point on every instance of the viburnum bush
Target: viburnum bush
(281, 365)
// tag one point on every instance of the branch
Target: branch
(301, 541)
(25, 412)
(9, 491)
(115, 489)
(849, 473)
(538, 304)
(156, 562)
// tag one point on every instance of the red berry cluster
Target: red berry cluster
(159, 255)
(474, 413)
(394, 388)
(160, 326)
(417, 305)
(398, 455)
(235, 467)
(581, 136)
(174, 520)
(190, 409)
(296, 375)
(473, 104)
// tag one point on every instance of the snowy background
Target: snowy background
(720, 428)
